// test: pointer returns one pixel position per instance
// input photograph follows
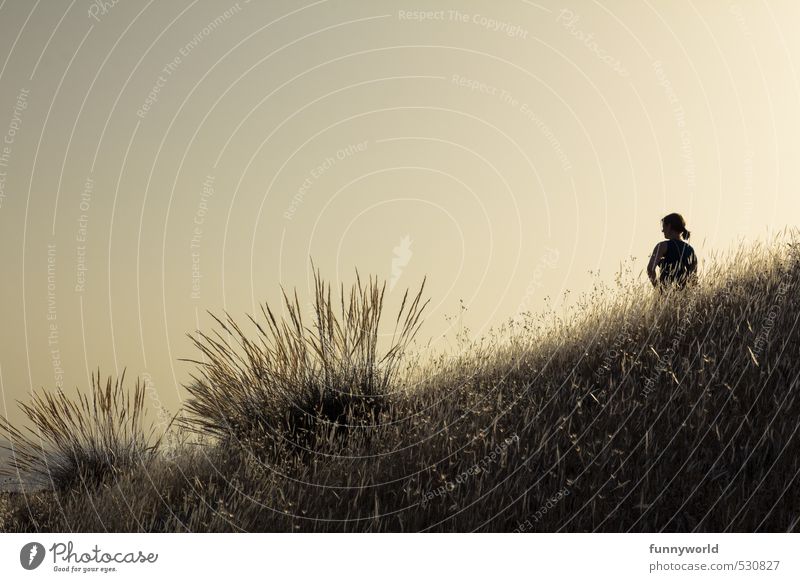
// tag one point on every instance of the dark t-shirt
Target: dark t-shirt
(678, 264)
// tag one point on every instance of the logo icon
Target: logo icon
(402, 255)
(31, 555)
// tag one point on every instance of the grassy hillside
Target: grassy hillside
(5, 457)
(633, 412)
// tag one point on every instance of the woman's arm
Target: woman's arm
(659, 252)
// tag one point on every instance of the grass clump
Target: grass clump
(83, 441)
(291, 382)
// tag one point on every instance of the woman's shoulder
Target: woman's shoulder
(661, 247)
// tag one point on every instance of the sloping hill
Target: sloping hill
(6, 483)
(635, 412)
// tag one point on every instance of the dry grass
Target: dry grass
(676, 413)
(80, 441)
(278, 387)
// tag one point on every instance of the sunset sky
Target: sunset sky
(161, 159)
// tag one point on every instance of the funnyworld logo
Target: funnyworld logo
(31, 555)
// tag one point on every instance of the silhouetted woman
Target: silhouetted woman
(674, 257)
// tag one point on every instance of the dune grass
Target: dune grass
(278, 387)
(81, 441)
(631, 412)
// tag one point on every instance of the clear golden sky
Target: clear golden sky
(164, 158)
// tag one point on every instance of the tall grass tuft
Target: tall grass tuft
(291, 379)
(83, 441)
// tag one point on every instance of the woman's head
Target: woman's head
(674, 224)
